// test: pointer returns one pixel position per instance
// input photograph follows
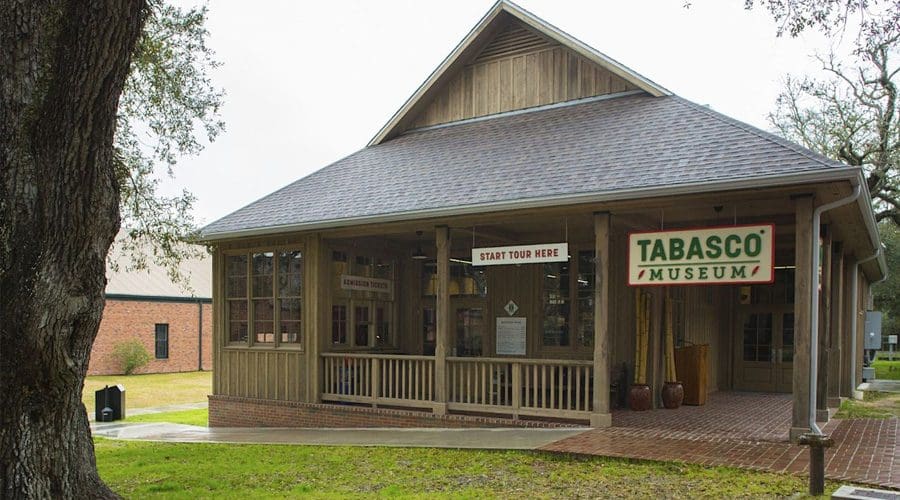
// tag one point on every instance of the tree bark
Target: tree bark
(62, 68)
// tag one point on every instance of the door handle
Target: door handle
(775, 354)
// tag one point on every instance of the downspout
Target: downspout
(814, 305)
(200, 335)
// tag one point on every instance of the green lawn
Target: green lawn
(885, 369)
(198, 417)
(873, 405)
(142, 391)
(172, 470)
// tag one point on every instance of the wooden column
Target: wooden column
(803, 208)
(313, 297)
(837, 332)
(824, 326)
(849, 316)
(442, 318)
(601, 417)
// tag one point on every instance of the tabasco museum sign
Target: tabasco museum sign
(364, 284)
(713, 255)
(521, 254)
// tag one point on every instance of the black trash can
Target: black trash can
(109, 403)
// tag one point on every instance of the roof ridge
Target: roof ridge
(762, 134)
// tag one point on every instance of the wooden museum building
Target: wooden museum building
(531, 236)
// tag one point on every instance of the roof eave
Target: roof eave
(829, 175)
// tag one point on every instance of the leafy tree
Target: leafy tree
(885, 294)
(76, 161)
(849, 114)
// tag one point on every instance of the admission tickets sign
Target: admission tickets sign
(703, 256)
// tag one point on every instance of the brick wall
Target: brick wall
(230, 411)
(127, 319)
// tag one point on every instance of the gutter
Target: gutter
(851, 174)
(199, 335)
(814, 305)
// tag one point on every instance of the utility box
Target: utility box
(872, 330)
(868, 373)
(109, 403)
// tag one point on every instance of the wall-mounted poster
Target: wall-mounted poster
(511, 336)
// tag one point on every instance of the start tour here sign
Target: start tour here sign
(712, 255)
(520, 254)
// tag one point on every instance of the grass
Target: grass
(199, 417)
(873, 405)
(177, 470)
(142, 391)
(885, 369)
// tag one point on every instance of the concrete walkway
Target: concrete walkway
(505, 439)
(880, 385)
(131, 412)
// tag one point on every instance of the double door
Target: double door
(765, 350)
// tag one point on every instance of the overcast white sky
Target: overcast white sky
(308, 83)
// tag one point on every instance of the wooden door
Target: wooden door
(764, 354)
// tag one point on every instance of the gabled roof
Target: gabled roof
(495, 20)
(600, 149)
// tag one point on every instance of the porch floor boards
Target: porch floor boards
(746, 430)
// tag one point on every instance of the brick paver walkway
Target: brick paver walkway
(749, 431)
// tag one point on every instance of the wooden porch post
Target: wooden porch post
(849, 317)
(314, 301)
(837, 332)
(442, 318)
(600, 417)
(803, 208)
(825, 327)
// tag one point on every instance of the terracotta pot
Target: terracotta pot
(639, 397)
(672, 394)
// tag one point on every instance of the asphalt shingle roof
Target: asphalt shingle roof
(623, 143)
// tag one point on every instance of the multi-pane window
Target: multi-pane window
(236, 297)
(556, 304)
(161, 340)
(567, 301)
(264, 297)
(584, 305)
(290, 284)
(758, 337)
(263, 300)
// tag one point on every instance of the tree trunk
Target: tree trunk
(62, 68)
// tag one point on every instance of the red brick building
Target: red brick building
(173, 322)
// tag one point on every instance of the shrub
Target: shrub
(131, 355)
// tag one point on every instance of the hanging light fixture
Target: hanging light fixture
(419, 254)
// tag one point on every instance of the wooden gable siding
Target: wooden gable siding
(519, 69)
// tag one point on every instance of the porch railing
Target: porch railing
(536, 387)
(378, 379)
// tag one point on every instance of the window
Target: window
(567, 297)
(758, 337)
(264, 298)
(161, 341)
(556, 304)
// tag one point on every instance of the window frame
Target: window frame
(574, 346)
(156, 340)
(276, 297)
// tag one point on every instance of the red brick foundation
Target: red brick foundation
(229, 411)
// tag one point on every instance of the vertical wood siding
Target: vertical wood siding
(518, 69)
